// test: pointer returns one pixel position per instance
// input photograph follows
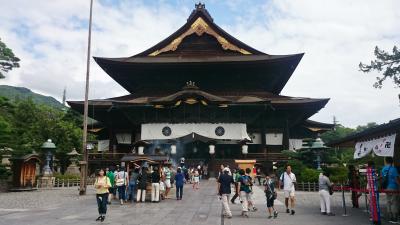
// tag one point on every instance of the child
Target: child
(162, 190)
(196, 180)
(271, 195)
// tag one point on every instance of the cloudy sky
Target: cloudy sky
(50, 37)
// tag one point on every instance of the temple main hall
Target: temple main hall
(202, 95)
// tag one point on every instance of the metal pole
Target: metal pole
(344, 202)
(366, 202)
(83, 184)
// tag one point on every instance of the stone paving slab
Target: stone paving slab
(201, 207)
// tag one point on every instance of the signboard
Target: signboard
(383, 146)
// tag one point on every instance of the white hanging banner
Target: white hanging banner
(124, 138)
(295, 144)
(103, 145)
(164, 131)
(255, 138)
(273, 138)
(381, 147)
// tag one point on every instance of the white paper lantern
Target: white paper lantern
(173, 149)
(245, 149)
(212, 149)
(141, 150)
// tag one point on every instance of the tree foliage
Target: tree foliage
(8, 60)
(24, 126)
(385, 62)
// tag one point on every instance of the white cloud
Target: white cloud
(51, 36)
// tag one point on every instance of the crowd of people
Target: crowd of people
(133, 187)
(112, 184)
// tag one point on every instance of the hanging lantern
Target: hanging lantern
(173, 149)
(245, 149)
(140, 150)
(212, 149)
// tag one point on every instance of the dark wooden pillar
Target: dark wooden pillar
(285, 141)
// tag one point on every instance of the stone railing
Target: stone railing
(64, 183)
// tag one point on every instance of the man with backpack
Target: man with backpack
(391, 182)
(288, 181)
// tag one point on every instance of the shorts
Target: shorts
(288, 193)
(167, 183)
(270, 202)
(196, 179)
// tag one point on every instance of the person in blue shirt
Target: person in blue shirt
(390, 173)
(179, 181)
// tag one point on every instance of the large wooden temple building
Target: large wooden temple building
(204, 94)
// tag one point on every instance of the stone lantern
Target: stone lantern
(73, 168)
(48, 149)
(318, 146)
(47, 179)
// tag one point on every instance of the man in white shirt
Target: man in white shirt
(288, 181)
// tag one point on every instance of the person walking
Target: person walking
(133, 180)
(354, 183)
(155, 185)
(196, 179)
(324, 186)
(250, 200)
(179, 182)
(102, 184)
(288, 181)
(390, 183)
(167, 171)
(235, 176)
(141, 193)
(244, 187)
(111, 190)
(224, 190)
(258, 175)
(271, 195)
(121, 180)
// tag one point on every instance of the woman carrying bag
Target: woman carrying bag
(102, 184)
(325, 190)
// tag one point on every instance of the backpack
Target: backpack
(246, 182)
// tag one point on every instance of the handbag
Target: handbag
(330, 190)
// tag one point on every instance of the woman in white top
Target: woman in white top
(324, 186)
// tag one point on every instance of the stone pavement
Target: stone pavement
(64, 206)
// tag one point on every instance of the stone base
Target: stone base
(73, 169)
(46, 182)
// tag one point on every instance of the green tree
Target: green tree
(8, 60)
(386, 62)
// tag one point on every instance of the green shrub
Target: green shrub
(309, 175)
(4, 173)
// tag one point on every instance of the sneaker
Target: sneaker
(254, 209)
(324, 213)
(287, 211)
(331, 214)
(102, 218)
(293, 212)
(269, 217)
(275, 214)
(99, 218)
